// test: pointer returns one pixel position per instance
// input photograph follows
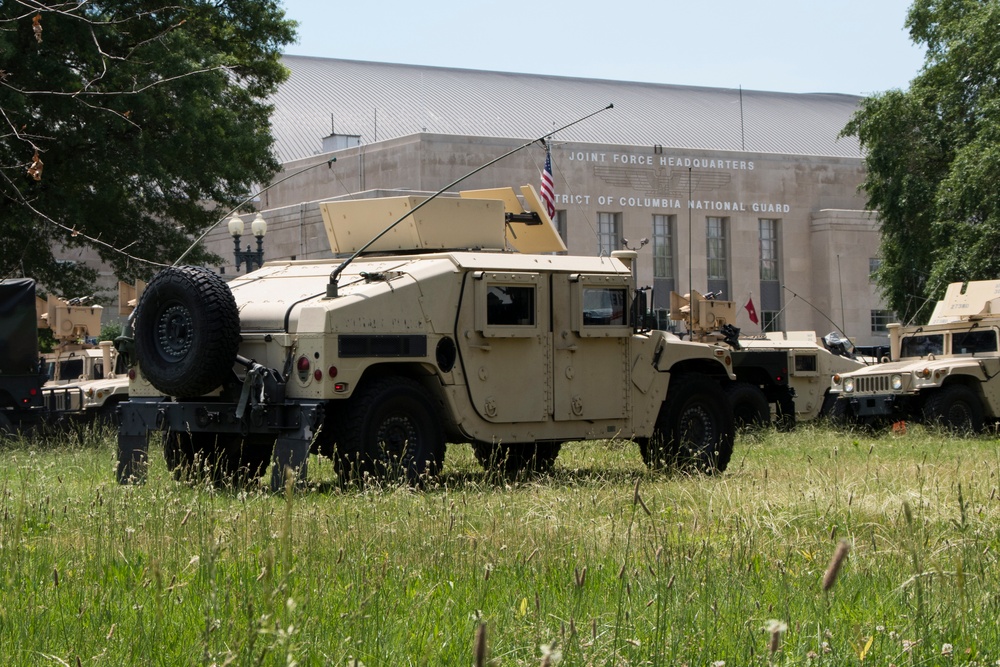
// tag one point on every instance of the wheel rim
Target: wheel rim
(393, 436)
(959, 415)
(173, 332)
(696, 431)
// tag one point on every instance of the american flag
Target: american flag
(547, 191)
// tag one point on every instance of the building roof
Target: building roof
(380, 101)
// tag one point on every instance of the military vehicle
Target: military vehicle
(21, 375)
(86, 378)
(69, 383)
(782, 377)
(452, 320)
(943, 372)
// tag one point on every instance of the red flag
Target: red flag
(547, 190)
(752, 311)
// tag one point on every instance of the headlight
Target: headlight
(897, 382)
(848, 385)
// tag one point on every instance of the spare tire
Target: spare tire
(187, 331)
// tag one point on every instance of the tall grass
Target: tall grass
(599, 563)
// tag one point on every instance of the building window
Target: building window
(718, 264)
(770, 320)
(560, 221)
(881, 320)
(663, 246)
(768, 249)
(874, 264)
(608, 233)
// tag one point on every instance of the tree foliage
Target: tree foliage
(932, 155)
(122, 122)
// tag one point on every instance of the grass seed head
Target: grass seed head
(839, 556)
(479, 650)
(775, 628)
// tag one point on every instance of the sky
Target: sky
(855, 47)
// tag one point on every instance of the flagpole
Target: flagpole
(690, 265)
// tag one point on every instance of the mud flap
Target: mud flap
(133, 459)
(136, 420)
(291, 455)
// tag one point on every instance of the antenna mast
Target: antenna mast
(331, 288)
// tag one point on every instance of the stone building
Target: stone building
(750, 194)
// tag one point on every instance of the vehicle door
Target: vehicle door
(807, 382)
(590, 339)
(505, 345)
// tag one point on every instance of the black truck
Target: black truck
(22, 401)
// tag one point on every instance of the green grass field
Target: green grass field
(599, 563)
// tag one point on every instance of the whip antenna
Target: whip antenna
(331, 288)
(198, 240)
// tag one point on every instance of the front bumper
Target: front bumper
(879, 405)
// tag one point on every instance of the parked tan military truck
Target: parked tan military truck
(943, 372)
(453, 321)
(76, 381)
(782, 376)
(86, 379)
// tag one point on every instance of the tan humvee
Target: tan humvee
(83, 382)
(780, 375)
(447, 324)
(943, 372)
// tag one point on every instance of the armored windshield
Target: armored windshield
(70, 369)
(971, 342)
(920, 345)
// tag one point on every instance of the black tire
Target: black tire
(839, 413)
(245, 458)
(107, 414)
(751, 410)
(6, 426)
(392, 432)
(511, 460)
(187, 331)
(955, 408)
(829, 400)
(784, 414)
(695, 429)
(227, 459)
(179, 453)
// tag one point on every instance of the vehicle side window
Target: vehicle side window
(971, 342)
(805, 363)
(921, 346)
(510, 305)
(604, 306)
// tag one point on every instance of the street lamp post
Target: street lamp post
(258, 228)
